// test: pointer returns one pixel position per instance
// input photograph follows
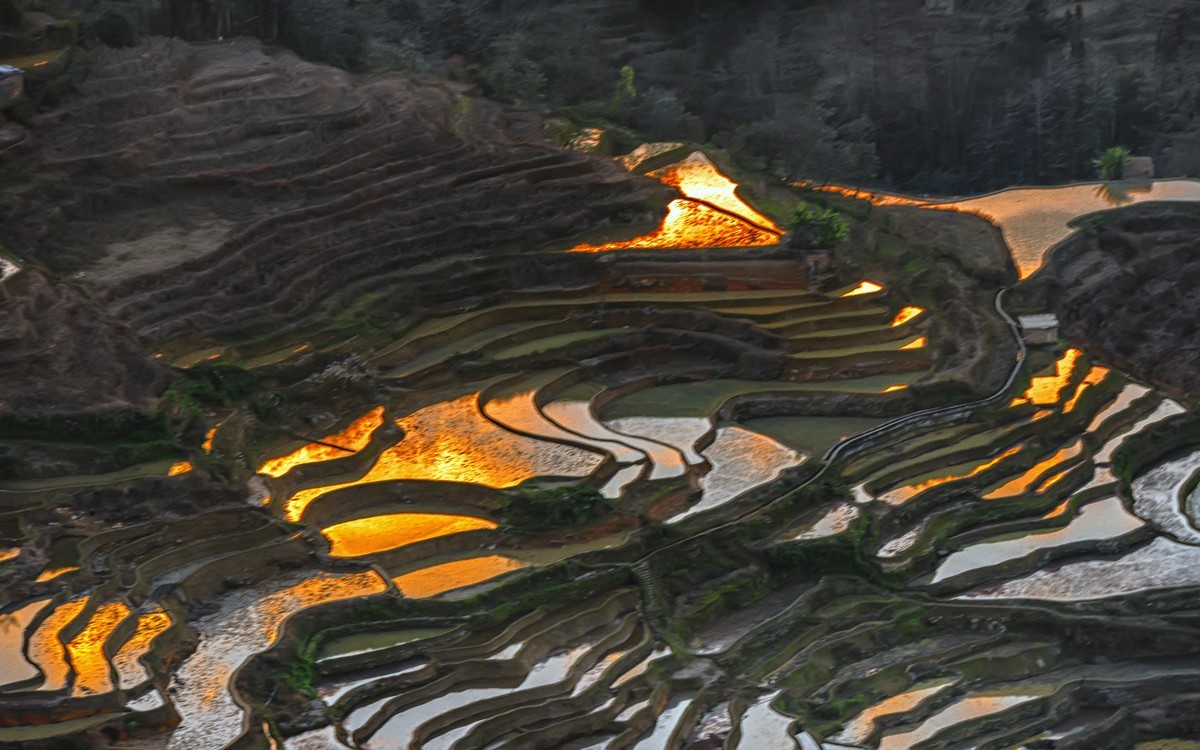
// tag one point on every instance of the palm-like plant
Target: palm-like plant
(1113, 162)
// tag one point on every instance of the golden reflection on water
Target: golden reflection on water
(906, 314)
(876, 199)
(126, 661)
(1048, 389)
(967, 709)
(181, 467)
(86, 650)
(453, 442)
(367, 536)
(248, 622)
(917, 343)
(438, 579)
(904, 494)
(690, 224)
(1033, 220)
(46, 651)
(697, 177)
(866, 287)
(354, 438)
(1062, 508)
(55, 572)
(859, 729)
(9, 553)
(1023, 483)
(272, 610)
(894, 388)
(1094, 377)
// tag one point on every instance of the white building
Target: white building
(1039, 329)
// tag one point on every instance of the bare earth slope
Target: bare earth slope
(60, 352)
(1127, 288)
(231, 190)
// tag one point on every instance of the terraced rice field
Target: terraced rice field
(631, 516)
(1036, 219)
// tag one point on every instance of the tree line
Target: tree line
(853, 91)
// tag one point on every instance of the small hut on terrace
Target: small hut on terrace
(12, 85)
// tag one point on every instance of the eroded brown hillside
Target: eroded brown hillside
(229, 190)
(1127, 286)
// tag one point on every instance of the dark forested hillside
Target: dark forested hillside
(995, 92)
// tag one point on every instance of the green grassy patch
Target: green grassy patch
(362, 642)
(555, 342)
(700, 399)
(812, 435)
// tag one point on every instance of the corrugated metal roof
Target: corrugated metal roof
(1038, 322)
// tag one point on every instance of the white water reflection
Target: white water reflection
(741, 460)
(1162, 564)
(1103, 519)
(520, 414)
(1158, 497)
(403, 728)
(7, 268)
(577, 417)
(247, 622)
(1164, 410)
(680, 433)
(318, 739)
(615, 487)
(765, 729)
(901, 544)
(666, 725)
(836, 521)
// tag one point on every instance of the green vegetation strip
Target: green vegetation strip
(45, 731)
(365, 642)
(701, 399)
(812, 435)
(465, 345)
(887, 346)
(140, 471)
(556, 342)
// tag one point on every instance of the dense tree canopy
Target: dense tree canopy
(854, 91)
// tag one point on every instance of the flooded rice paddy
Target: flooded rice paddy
(457, 574)
(859, 730)
(370, 589)
(1034, 220)
(367, 536)
(454, 442)
(341, 444)
(1103, 519)
(741, 460)
(763, 728)
(710, 213)
(247, 622)
(973, 707)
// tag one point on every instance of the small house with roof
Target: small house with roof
(1038, 330)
